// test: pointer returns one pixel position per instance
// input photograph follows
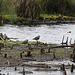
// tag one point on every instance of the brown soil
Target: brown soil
(13, 55)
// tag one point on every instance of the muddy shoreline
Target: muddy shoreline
(17, 55)
(14, 58)
(41, 20)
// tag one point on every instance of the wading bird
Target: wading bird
(36, 38)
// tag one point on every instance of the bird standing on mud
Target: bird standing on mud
(37, 38)
(25, 42)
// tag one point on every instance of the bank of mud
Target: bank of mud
(16, 55)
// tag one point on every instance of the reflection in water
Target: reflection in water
(49, 34)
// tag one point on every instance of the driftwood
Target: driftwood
(13, 38)
(29, 59)
(5, 37)
(1, 38)
(62, 46)
(37, 65)
(27, 72)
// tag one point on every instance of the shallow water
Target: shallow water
(54, 62)
(11, 71)
(48, 33)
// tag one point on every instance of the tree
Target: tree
(28, 8)
(7, 7)
(58, 6)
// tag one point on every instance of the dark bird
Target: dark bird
(36, 38)
(25, 42)
(5, 37)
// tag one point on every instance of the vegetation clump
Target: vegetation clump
(12, 11)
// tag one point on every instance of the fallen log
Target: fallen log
(62, 46)
(7, 38)
(27, 72)
(28, 59)
(37, 65)
(13, 38)
(46, 69)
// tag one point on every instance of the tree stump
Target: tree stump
(74, 50)
(29, 53)
(0, 48)
(74, 58)
(20, 55)
(64, 72)
(72, 67)
(5, 55)
(49, 50)
(62, 67)
(37, 43)
(54, 55)
(23, 71)
(29, 47)
(23, 52)
(15, 68)
(42, 51)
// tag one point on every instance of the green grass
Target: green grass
(48, 15)
(22, 18)
(54, 16)
(11, 18)
(10, 42)
(34, 42)
(36, 51)
(14, 18)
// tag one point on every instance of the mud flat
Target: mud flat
(41, 57)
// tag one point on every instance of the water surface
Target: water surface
(48, 33)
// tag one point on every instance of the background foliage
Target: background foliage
(33, 8)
